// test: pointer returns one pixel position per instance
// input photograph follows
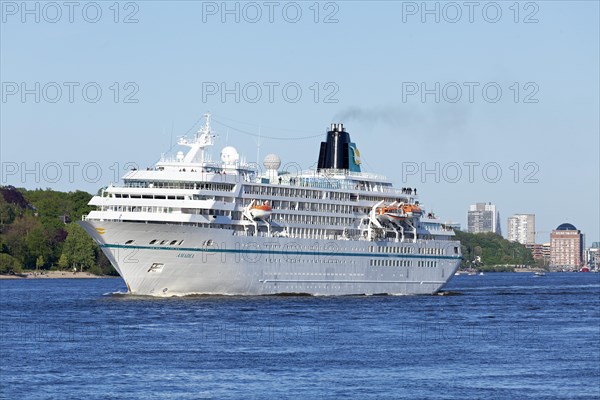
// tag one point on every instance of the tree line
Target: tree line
(491, 252)
(39, 230)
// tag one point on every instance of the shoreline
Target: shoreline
(55, 275)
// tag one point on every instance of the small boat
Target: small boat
(481, 273)
(412, 210)
(390, 213)
(260, 211)
(584, 269)
(539, 274)
(398, 213)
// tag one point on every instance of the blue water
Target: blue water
(501, 336)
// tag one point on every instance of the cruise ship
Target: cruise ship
(190, 225)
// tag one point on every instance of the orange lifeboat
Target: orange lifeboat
(390, 213)
(412, 210)
(261, 211)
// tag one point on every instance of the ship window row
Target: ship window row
(402, 263)
(392, 249)
(390, 263)
(166, 242)
(285, 191)
(213, 186)
(295, 192)
(429, 264)
(310, 233)
(311, 261)
(165, 197)
(435, 226)
(303, 274)
(312, 219)
(375, 199)
(430, 251)
(205, 211)
(302, 233)
(167, 210)
(147, 209)
(146, 196)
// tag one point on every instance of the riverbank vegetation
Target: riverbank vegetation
(39, 231)
(491, 252)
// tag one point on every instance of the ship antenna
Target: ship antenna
(258, 147)
(206, 127)
(208, 120)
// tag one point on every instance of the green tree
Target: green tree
(16, 238)
(8, 213)
(38, 245)
(78, 248)
(63, 262)
(39, 263)
(9, 264)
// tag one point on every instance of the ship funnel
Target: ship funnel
(338, 152)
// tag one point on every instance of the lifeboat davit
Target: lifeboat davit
(260, 211)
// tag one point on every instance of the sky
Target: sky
(468, 102)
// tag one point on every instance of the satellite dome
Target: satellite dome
(272, 161)
(566, 227)
(229, 155)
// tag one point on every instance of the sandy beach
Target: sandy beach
(53, 275)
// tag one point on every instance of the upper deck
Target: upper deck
(192, 177)
(334, 200)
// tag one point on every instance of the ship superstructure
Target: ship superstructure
(191, 225)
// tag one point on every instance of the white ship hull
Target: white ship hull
(175, 260)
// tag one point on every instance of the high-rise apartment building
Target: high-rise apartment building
(521, 228)
(482, 218)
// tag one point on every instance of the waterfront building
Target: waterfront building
(566, 248)
(592, 257)
(540, 251)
